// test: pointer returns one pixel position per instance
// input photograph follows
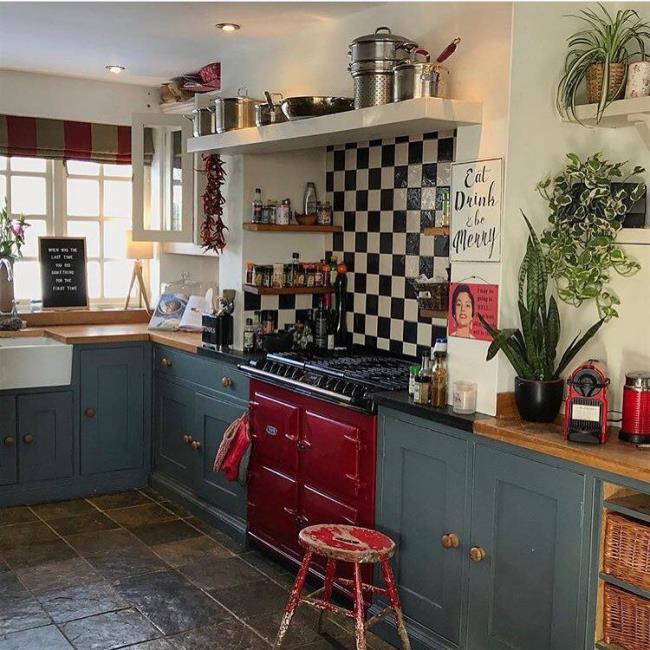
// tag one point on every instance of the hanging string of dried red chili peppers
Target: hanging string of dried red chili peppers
(213, 227)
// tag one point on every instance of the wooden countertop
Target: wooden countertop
(128, 332)
(615, 456)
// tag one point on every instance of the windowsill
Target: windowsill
(92, 316)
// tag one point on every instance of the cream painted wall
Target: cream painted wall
(537, 143)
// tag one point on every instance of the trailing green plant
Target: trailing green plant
(604, 40)
(588, 202)
(12, 234)
(532, 348)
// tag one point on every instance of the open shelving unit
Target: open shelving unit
(294, 227)
(285, 291)
(420, 115)
(440, 230)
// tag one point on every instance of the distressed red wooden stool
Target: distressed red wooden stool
(347, 544)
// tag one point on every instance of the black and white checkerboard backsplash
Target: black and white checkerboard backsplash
(384, 193)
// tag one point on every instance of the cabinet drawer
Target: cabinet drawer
(209, 373)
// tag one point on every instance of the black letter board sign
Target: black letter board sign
(63, 272)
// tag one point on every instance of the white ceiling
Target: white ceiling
(154, 40)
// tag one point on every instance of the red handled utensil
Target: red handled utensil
(448, 51)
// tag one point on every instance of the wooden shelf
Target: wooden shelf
(294, 227)
(441, 230)
(285, 291)
(430, 313)
(633, 505)
(414, 116)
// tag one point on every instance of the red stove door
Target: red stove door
(330, 454)
(274, 431)
(273, 508)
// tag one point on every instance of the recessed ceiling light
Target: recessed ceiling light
(228, 27)
(115, 69)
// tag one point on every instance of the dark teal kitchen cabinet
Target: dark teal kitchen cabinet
(421, 476)
(173, 423)
(8, 455)
(211, 419)
(45, 436)
(112, 412)
(527, 518)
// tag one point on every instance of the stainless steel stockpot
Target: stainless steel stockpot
(383, 45)
(416, 79)
(233, 113)
(202, 121)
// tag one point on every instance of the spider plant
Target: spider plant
(606, 41)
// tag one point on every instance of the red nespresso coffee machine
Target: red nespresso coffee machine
(585, 411)
(636, 408)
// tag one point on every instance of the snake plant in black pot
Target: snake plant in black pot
(532, 348)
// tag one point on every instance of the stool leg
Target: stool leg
(327, 592)
(294, 599)
(395, 604)
(359, 613)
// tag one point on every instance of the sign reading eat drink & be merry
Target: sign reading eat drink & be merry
(475, 234)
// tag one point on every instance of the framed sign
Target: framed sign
(63, 272)
(466, 302)
(476, 188)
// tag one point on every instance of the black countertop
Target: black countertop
(230, 356)
(400, 401)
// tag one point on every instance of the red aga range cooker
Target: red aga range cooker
(314, 443)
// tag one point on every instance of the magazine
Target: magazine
(177, 311)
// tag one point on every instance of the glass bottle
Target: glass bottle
(310, 199)
(259, 330)
(340, 294)
(439, 379)
(293, 270)
(320, 326)
(249, 336)
(422, 384)
(258, 207)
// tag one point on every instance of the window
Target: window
(77, 199)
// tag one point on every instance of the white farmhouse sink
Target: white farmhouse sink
(34, 361)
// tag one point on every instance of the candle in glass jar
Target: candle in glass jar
(464, 394)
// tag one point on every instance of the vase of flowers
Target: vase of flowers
(12, 239)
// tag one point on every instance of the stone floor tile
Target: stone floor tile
(125, 562)
(89, 544)
(62, 574)
(168, 600)
(19, 610)
(156, 644)
(60, 509)
(110, 630)
(32, 555)
(27, 534)
(40, 638)
(16, 515)
(176, 508)
(79, 601)
(148, 513)
(152, 493)
(220, 573)
(233, 545)
(228, 635)
(263, 597)
(165, 532)
(267, 566)
(88, 523)
(120, 500)
(190, 550)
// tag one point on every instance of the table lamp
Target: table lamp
(138, 251)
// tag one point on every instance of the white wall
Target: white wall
(538, 142)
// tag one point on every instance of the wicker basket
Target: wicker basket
(438, 299)
(627, 550)
(627, 619)
(595, 74)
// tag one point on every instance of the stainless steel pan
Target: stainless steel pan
(299, 108)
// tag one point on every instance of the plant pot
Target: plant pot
(538, 401)
(6, 285)
(595, 75)
(638, 79)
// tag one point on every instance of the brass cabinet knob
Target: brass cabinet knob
(187, 439)
(226, 382)
(28, 438)
(450, 540)
(196, 444)
(165, 362)
(89, 412)
(9, 441)
(477, 553)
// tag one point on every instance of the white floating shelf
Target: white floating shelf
(401, 118)
(617, 114)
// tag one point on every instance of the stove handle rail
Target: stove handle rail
(280, 381)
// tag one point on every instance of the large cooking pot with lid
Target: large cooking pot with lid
(233, 113)
(202, 121)
(382, 45)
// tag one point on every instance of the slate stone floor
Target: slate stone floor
(135, 570)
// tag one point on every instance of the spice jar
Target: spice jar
(250, 273)
(324, 214)
(283, 213)
(259, 275)
(278, 275)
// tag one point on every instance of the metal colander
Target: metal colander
(372, 89)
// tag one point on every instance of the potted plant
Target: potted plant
(532, 348)
(588, 202)
(12, 239)
(599, 54)
(638, 79)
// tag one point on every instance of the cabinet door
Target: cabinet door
(173, 421)
(44, 436)
(528, 517)
(112, 409)
(421, 497)
(8, 446)
(212, 418)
